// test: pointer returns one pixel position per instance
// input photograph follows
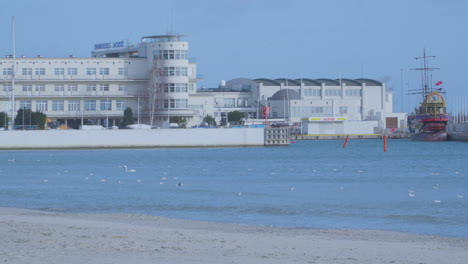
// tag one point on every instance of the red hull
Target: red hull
(430, 136)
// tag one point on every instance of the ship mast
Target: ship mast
(426, 89)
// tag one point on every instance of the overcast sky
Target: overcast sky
(263, 38)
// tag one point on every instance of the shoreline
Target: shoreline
(32, 236)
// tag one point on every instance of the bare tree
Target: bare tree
(157, 87)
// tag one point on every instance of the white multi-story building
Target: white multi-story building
(157, 81)
(96, 90)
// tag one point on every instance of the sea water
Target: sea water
(417, 187)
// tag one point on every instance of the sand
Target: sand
(29, 236)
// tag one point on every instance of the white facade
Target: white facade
(97, 90)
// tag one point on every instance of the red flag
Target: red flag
(438, 83)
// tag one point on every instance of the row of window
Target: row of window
(174, 87)
(75, 105)
(173, 71)
(173, 103)
(316, 110)
(332, 92)
(231, 102)
(66, 87)
(61, 71)
(171, 54)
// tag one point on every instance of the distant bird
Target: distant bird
(437, 201)
(161, 182)
(179, 184)
(291, 189)
(238, 193)
(11, 160)
(459, 196)
(128, 170)
(411, 193)
(436, 187)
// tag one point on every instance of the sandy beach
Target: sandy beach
(29, 236)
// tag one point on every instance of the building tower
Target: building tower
(171, 78)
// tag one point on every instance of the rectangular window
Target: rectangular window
(72, 71)
(123, 71)
(40, 71)
(7, 87)
(353, 92)
(106, 105)
(181, 87)
(313, 92)
(25, 104)
(91, 87)
(57, 105)
(229, 102)
(41, 106)
(242, 102)
(40, 88)
(104, 87)
(90, 71)
(343, 109)
(174, 71)
(123, 87)
(172, 103)
(27, 87)
(121, 104)
(59, 87)
(27, 71)
(172, 54)
(333, 92)
(181, 103)
(59, 71)
(72, 87)
(103, 71)
(73, 105)
(90, 105)
(7, 71)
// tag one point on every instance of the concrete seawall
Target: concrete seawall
(458, 132)
(131, 138)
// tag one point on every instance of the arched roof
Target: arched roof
(286, 94)
(310, 82)
(288, 81)
(369, 82)
(350, 82)
(267, 82)
(329, 82)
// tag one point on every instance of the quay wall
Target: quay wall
(131, 138)
(458, 132)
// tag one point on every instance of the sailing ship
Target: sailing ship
(429, 121)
